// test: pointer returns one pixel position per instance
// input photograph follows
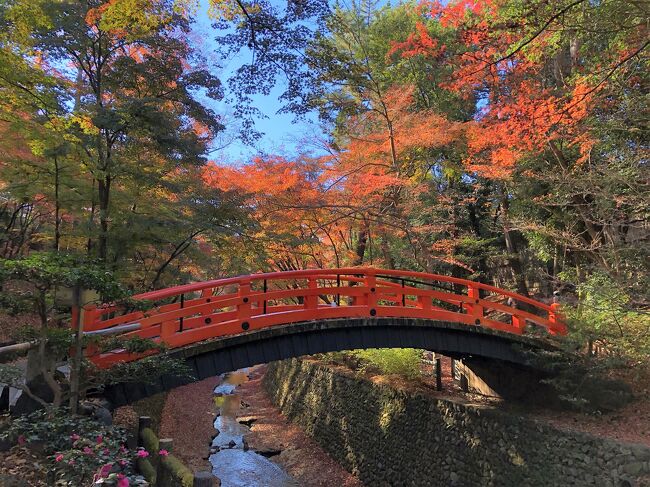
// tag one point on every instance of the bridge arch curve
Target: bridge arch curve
(215, 357)
(226, 324)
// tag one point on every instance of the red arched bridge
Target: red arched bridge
(185, 315)
(227, 324)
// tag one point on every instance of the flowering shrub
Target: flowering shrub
(142, 453)
(80, 450)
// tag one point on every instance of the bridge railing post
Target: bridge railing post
(265, 289)
(555, 318)
(371, 294)
(474, 308)
(424, 302)
(518, 323)
(311, 301)
(168, 329)
(244, 308)
(88, 314)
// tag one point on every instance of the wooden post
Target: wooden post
(143, 422)
(518, 323)
(311, 301)
(371, 296)
(163, 444)
(474, 309)
(555, 318)
(180, 320)
(205, 479)
(338, 286)
(438, 375)
(244, 308)
(266, 288)
(424, 302)
(167, 330)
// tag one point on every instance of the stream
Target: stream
(231, 460)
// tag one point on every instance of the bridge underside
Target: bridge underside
(215, 357)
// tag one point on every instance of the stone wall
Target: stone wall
(388, 437)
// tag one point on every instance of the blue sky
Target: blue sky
(281, 133)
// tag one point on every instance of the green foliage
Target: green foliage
(11, 374)
(116, 140)
(400, 361)
(58, 340)
(133, 344)
(146, 370)
(604, 317)
(47, 270)
(581, 381)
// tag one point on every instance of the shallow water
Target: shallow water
(234, 466)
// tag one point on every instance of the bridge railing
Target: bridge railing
(191, 313)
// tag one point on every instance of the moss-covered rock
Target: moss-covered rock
(147, 470)
(149, 440)
(174, 473)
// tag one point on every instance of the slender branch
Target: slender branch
(530, 39)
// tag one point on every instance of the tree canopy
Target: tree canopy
(500, 140)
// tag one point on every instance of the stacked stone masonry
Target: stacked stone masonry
(389, 437)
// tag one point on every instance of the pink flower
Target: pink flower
(106, 451)
(122, 448)
(122, 481)
(122, 463)
(74, 437)
(21, 440)
(58, 458)
(71, 462)
(163, 453)
(87, 450)
(100, 438)
(143, 453)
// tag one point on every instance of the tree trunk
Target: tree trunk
(57, 206)
(91, 221)
(361, 247)
(104, 188)
(513, 260)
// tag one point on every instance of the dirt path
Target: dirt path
(188, 417)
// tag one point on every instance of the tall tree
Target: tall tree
(132, 77)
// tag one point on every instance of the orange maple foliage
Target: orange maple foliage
(520, 115)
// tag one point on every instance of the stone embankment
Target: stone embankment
(392, 437)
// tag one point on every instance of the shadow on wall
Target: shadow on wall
(388, 437)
